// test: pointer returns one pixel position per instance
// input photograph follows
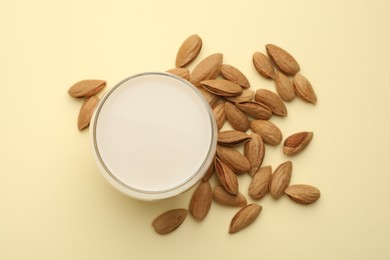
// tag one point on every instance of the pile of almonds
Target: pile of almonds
(227, 90)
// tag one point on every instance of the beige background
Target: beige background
(54, 204)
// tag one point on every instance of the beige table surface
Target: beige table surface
(54, 204)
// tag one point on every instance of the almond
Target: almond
(233, 159)
(272, 101)
(180, 72)
(284, 86)
(86, 88)
(238, 120)
(263, 65)
(235, 75)
(254, 151)
(255, 109)
(280, 179)
(246, 95)
(283, 59)
(302, 193)
(222, 87)
(188, 50)
(169, 221)
(260, 183)
(297, 142)
(210, 97)
(268, 131)
(208, 68)
(244, 217)
(201, 201)
(232, 137)
(86, 112)
(221, 196)
(304, 89)
(226, 176)
(209, 173)
(219, 115)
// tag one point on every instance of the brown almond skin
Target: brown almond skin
(254, 151)
(221, 196)
(244, 217)
(226, 176)
(246, 96)
(238, 120)
(210, 97)
(233, 159)
(235, 75)
(209, 173)
(221, 87)
(304, 89)
(268, 131)
(303, 193)
(255, 109)
(280, 179)
(259, 185)
(86, 88)
(86, 112)
(180, 72)
(188, 50)
(284, 86)
(169, 220)
(297, 142)
(263, 65)
(284, 60)
(201, 201)
(208, 68)
(219, 115)
(232, 137)
(272, 101)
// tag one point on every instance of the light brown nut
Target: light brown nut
(86, 88)
(86, 112)
(226, 176)
(208, 68)
(169, 220)
(284, 86)
(233, 159)
(244, 217)
(255, 109)
(283, 59)
(302, 193)
(260, 183)
(188, 50)
(221, 87)
(272, 101)
(210, 97)
(280, 179)
(297, 142)
(254, 151)
(304, 89)
(180, 72)
(201, 201)
(235, 75)
(209, 173)
(246, 95)
(221, 196)
(268, 131)
(263, 65)
(238, 120)
(232, 137)
(219, 115)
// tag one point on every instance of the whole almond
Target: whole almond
(283, 59)
(244, 217)
(268, 131)
(188, 50)
(260, 183)
(181, 72)
(86, 88)
(169, 220)
(219, 115)
(255, 109)
(304, 89)
(86, 112)
(210, 97)
(246, 95)
(284, 86)
(221, 196)
(254, 151)
(222, 87)
(232, 137)
(263, 65)
(272, 101)
(302, 193)
(235, 75)
(238, 120)
(297, 142)
(201, 201)
(226, 176)
(233, 159)
(208, 68)
(280, 179)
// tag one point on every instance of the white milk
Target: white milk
(153, 136)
